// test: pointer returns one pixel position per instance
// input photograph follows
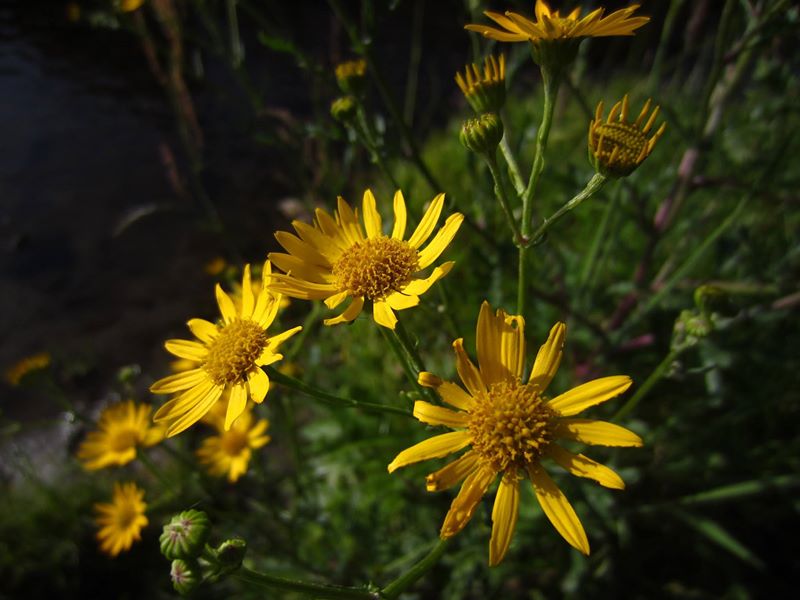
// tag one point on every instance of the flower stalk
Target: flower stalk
(315, 590)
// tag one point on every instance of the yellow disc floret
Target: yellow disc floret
(234, 351)
(511, 426)
(376, 267)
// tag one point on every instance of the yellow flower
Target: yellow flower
(130, 5)
(550, 25)
(229, 452)
(35, 362)
(228, 356)
(122, 520)
(511, 426)
(121, 429)
(334, 259)
(487, 92)
(617, 147)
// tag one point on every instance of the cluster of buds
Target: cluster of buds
(184, 542)
(486, 93)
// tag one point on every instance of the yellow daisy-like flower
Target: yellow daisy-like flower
(19, 370)
(229, 355)
(511, 426)
(121, 429)
(335, 259)
(121, 521)
(550, 25)
(617, 147)
(486, 92)
(229, 452)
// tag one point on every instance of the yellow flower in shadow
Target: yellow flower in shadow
(121, 521)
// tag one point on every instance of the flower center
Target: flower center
(233, 442)
(234, 351)
(126, 515)
(511, 426)
(376, 267)
(619, 145)
(124, 439)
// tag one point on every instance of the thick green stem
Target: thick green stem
(315, 590)
(656, 376)
(500, 194)
(595, 183)
(399, 585)
(513, 167)
(298, 385)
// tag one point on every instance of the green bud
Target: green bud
(482, 134)
(185, 576)
(690, 327)
(344, 109)
(185, 535)
(710, 298)
(225, 558)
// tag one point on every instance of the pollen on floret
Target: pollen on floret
(376, 267)
(234, 351)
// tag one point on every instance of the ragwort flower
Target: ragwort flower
(510, 427)
(25, 366)
(121, 521)
(485, 92)
(229, 452)
(335, 259)
(121, 429)
(229, 357)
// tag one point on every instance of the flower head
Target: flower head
(555, 38)
(228, 356)
(335, 259)
(185, 535)
(350, 76)
(617, 147)
(121, 521)
(482, 134)
(487, 92)
(25, 366)
(229, 452)
(121, 429)
(510, 426)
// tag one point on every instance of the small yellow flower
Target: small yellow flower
(121, 429)
(350, 76)
(550, 25)
(35, 362)
(130, 5)
(511, 426)
(335, 260)
(122, 520)
(229, 452)
(228, 356)
(215, 266)
(617, 147)
(485, 93)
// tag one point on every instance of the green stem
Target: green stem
(513, 167)
(309, 390)
(656, 376)
(399, 585)
(551, 81)
(317, 590)
(590, 262)
(595, 183)
(402, 346)
(154, 470)
(500, 194)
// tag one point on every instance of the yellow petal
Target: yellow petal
(589, 394)
(504, 518)
(401, 301)
(549, 357)
(335, 300)
(203, 330)
(400, 216)
(488, 343)
(583, 466)
(435, 447)
(302, 250)
(274, 342)
(441, 240)
(383, 315)
(348, 222)
(226, 307)
(372, 218)
(350, 313)
(187, 349)
(599, 433)
(196, 413)
(236, 404)
(467, 371)
(452, 473)
(266, 308)
(257, 385)
(428, 222)
(558, 509)
(450, 392)
(299, 268)
(417, 287)
(182, 403)
(305, 290)
(324, 244)
(248, 301)
(463, 505)
(179, 381)
(438, 415)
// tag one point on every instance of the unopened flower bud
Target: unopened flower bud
(224, 559)
(344, 109)
(351, 76)
(185, 535)
(185, 576)
(482, 134)
(710, 298)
